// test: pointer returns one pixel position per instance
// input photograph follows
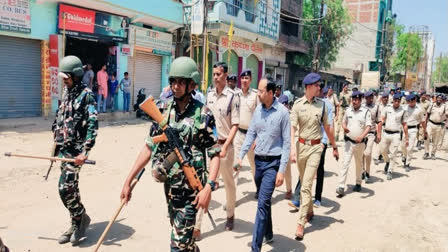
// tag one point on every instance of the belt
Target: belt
(412, 126)
(439, 123)
(267, 158)
(244, 131)
(309, 142)
(221, 141)
(391, 132)
(346, 138)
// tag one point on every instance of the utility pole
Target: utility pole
(381, 56)
(316, 47)
(205, 41)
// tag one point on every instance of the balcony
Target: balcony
(293, 43)
(292, 7)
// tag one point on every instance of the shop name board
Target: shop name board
(91, 24)
(237, 45)
(15, 16)
(150, 40)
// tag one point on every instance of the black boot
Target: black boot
(386, 167)
(65, 237)
(80, 229)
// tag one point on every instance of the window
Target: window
(233, 6)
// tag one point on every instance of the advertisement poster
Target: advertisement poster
(91, 24)
(152, 41)
(15, 16)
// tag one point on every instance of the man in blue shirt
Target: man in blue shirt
(271, 155)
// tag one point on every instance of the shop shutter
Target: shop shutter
(148, 73)
(20, 77)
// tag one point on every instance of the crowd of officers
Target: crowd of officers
(260, 124)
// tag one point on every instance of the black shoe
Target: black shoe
(389, 175)
(426, 156)
(386, 167)
(80, 229)
(403, 159)
(433, 156)
(65, 237)
(367, 178)
(340, 191)
(357, 188)
(363, 175)
(407, 167)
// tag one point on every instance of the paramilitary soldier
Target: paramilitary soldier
(187, 117)
(75, 129)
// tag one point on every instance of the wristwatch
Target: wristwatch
(212, 184)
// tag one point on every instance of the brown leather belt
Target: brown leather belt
(309, 142)
(221, 141)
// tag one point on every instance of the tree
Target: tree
(336, 28)
(440, 75)
(408, 52)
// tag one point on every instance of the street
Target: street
(408, 213)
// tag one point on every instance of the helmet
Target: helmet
(185, 67)
(71, 64)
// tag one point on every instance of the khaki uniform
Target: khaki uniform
(307, 118)
(437, 114)
(394, 118)
(421, 134)
(345, 102)
(375, 117)
(225, 109)
(356, 122)
(333, 99)
(415, 117)
(248, 103)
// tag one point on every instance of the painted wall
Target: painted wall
(43, 22)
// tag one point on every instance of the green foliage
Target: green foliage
(408, 51)
(440, 75)
(336, 28)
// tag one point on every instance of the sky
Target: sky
(433, 13)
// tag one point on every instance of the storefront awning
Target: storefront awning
(135, 15)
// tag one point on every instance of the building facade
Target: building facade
(126, 36)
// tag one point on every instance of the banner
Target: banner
(55, 88)
(45, 69)
(151, 41)
(197, 17)
(91, 24)
(15, 16)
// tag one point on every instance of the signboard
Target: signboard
(45, 68)
(91, 24)
(152, 41)
(15, 16)
(370, 80)
(197, 17)
(242, 48)
(54, 64)
(126, 50)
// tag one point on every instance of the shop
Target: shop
(20, 62)
(275, 65)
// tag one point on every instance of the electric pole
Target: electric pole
(316, 47)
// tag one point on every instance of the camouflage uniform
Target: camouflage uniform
(196, 138)
(75, 129)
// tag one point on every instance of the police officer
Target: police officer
(444, 124)
(383, 103)
(307, 116)
(231, 82)
(333, 99)
(424, 104)
(75, 130)
(278, 91)
(391, 95)
(356, 124)
(283, 99)
(371, 136)
(187, 116)
(415, 120)
(393, 117)
(344, 103)
(436, 114)
(248, 103)
(225, 103)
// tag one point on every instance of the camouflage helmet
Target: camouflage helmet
(185, 67)
(71, 64)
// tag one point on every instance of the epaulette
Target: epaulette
(300, 99)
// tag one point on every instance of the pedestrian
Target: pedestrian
(248, 102)
(393, 118)
(113, 91)
(125, 86)
(414, 121)
(436, 114)
(283, 99)
(371, 136)
(232, 81)
(356, 124)
(307, 116)
(75, 129)
(224, 104)
(102, 78)
(295, 201)
(278, 90)
(198, 95)
(344, 103)
(88, 76)
(333, 99)
(188, 115)
(271, 156)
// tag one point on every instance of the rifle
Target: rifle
(54, 153)
(171, 136)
